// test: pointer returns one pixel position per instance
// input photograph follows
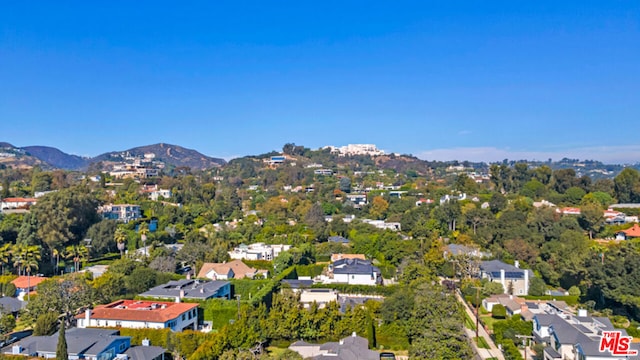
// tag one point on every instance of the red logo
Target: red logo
(616, 344)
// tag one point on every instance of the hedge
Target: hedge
(312, 270)
(360, 289)
(246, 288)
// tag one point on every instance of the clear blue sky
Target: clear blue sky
(475, 80)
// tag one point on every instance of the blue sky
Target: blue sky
(441, 80)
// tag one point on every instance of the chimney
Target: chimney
(582, 312)
(524, 307)
(517, 264)
(502, 280)
(189, 275)
(353, 334)
(526, 282)
(146, 342)
(181, 294)
(87, 317)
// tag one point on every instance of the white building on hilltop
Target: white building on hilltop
(357, 149)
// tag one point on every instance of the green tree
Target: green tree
(498, 311)
(537, 287)
(591, 219)
(61, 349)
(5, 256)
(7, 323)
(120, 237)
(627, 186)
(102, 235)
(77, 254)
(45, 324)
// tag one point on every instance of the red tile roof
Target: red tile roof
(137, 310)
(18, 199)
(22, 282)
(634, 231)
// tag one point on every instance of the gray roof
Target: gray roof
(297, 284)
(338, 239)
(354, 266)
(11, 304)
(145, 352)
(193, 289)
(79, 341)
(493, 267)
(350, 348)
(548, 319)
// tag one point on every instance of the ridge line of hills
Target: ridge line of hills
(50, 157)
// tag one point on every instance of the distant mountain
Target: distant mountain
(11, 156)
(57, 158)
(173, 155)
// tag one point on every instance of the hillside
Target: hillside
(11, 156)
(173, 155)
(57, 158)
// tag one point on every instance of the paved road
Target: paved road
(493, 351)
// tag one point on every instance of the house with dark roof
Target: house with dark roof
(338, 239)
(509, 276)
(138, 314)
(11, 305)
(355, 272)
(81, 344)
(190, 289)
(350, 348)
(147, 352)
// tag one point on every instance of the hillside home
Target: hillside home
(631, 233)
(350, 348)
(91, 344)
(190, 289)
(17, 203)
(319, 296)
(120, 212)
(355, 272)
(234, 269)
(26, 284)
(258, 251)
(139, 314)
(510, 276)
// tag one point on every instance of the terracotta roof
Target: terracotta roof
(240, 269)
(336, 257)
(634, 231)
(136, 310)
(17, 199)
(22, 282)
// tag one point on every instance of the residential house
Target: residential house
(90, 344)
(381, 224)
(234, 269)
(569, 211)
(345, 218)
(631, 233)
(16, 204)
(355, 272)
(336, 257)
(11, 305)
(350, 348)
(319, 296)
(513, 279)
(324, 172)
(120, 212)
(448, 198)
(26, 284)
(513, 304)
(147, 352)
(358, 200)
(139, 314)
(190, 289)
(258, 251)
(463, 250)
(424, 201)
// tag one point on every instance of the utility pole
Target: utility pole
(477, 301)
(525, 343)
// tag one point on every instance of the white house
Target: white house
(120, 212)
(17, 203)
(258, 251)
(137, 314)
(320, 296)
(355, 272)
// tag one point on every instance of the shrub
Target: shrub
(499, 311)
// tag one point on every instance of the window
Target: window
(183, 317)
(121, 347)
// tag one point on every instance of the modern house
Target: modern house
(190, 289)
(90, 344)
(258, 251)
(350, 348)
(354, 272)
(319, 296)
(357, 200)
(514, 280)
(139, 314)
(234, 269)
(120, 212)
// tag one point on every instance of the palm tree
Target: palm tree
(5, 255)
(31, 258)
(18, 252)
(77, 253)
(56, 253)
(120, 237)
(144, 230)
